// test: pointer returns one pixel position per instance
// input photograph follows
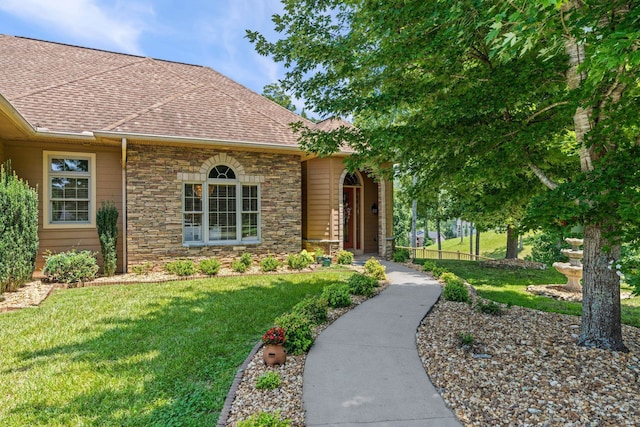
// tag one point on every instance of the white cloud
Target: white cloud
(86, 22)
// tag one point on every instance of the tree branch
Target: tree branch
(542, 176)
(544, 110)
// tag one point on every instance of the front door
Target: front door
(351, 206)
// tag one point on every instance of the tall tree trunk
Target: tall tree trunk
(601, 323)
(439, 239)
(477, 243)
(512, 243)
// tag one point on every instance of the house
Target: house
(197, 164)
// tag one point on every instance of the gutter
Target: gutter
(125, 266)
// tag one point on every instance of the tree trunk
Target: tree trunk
(477, 243)
(601, 323)
(512, 243)
(438, 237)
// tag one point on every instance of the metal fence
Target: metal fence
(424, 253)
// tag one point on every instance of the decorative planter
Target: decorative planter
(274, 354)
(326, 261)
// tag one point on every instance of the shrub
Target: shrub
(374, 269)
(451, 279)
(268, 381)
(107, 225)
(318, 253)
(546, 246)
(246, 259)
(18, 228)
(629, 265)
(345, 258)
(238, 266)
(313, 308)
(298, 330)
(490, 307)
(337, 295)
(455, 292)
(70, 267)
(437, 272)
(269, 263)
(264, 419)
(428, 266)
(142, 268)
(401, 255)
(210, 266)
(299, 261)
(181, 267)
(359, 284)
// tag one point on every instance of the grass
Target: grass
(139, 355)
(509, 287)
(492, 245)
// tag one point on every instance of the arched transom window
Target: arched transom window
(352, 180)
(221, 210)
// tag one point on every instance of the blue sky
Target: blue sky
(203, 32)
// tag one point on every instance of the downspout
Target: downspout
(125, 268)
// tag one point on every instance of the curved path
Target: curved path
(364, 369)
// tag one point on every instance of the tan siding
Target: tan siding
(2, 159)
(318, 199)
(26, 159)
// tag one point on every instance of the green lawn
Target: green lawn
(508, 287)
(138, 355)
(492, 245)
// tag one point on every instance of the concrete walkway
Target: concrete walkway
(364, 369)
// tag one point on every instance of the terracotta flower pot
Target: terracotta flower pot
(274, 354)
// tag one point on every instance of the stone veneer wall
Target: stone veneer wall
(154, 202)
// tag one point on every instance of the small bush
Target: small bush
(210, 266)
(337, 295)
(268, 381)
(490, 307)
(299, 261)
(374, 269)
(238, 266)
(438, 271)
(465, 339)
(71, 267)
(18, 230)
(318, 253)
(299, 333)
(451, 279)
(345, 258)
(181, 267)
(428, 266)
(246, 259)
(313, 308)
(264, 419)
(269, 263)
(456, 292)
(401, 255)
(359, 284)
(107, 225)
(142, 268)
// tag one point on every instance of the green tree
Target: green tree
(274, 92)
(436, 86)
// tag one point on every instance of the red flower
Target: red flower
(274, 335)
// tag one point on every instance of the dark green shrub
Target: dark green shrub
(345, 258)
(269, 263)
(298, 330)
(490, 307)
(268, 381)
(181, 267)
(546, 246)
(313, 308)
(629, 265)
(210, 266)
(18, 230)
(107, 225)
(264, 419)
(374, 269)
(337, 295)
(70, 267)
(246, 259)
(360, 284)
(401, 255)
(299, 261)
(455, 292)
(438, 271)
(238, 266)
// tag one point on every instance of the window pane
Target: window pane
(222, 216)
(192, 227)
(249, 225)
(222, 172)
(76, 165)
(193, 197)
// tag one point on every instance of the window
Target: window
(70, 189)
(229, 214)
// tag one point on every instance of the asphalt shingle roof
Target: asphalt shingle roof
(74, 89)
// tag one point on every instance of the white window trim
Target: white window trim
(239, 182)
(46, 202)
